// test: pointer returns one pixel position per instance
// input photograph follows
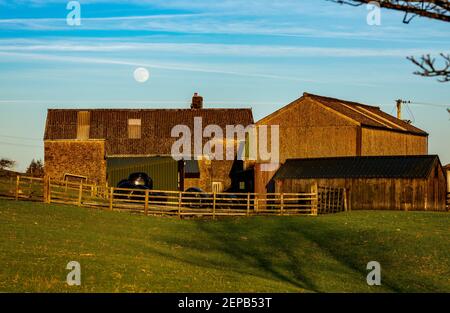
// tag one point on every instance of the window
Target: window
(83, 125)
(217, 187)
(191, 169)
(134, 128)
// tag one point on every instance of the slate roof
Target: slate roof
(112, 124)
(359, 167)
(365, 115)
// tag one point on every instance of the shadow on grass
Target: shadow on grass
(279, 249)
(229, 238)
(316, 255)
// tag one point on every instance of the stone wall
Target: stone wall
(86, 158)
(211, 171)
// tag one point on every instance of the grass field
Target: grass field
(119, 252)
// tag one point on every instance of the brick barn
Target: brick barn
(372, 182)
(106, 145)
(315, 126)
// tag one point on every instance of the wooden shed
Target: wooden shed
(373, 182)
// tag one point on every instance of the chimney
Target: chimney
(197, 102)
(399, 108)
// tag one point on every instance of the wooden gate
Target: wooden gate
(331, 200)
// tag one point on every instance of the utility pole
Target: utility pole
(399, 107)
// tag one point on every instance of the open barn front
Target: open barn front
(163, 171)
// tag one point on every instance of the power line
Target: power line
(19, 145)
(431, 104)
(24, 138)
(411, 113)
(427, 104)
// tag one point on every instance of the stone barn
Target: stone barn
(104, 146)
(314, 126)
(372, 182)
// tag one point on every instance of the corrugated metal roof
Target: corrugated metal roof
(366, 115)
(112, 125)
(359, 167)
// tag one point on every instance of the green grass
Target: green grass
(120, 252)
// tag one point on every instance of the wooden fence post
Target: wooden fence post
(314, 190)
(345, 200)
(49, 190)
(111, 198)
(45, 187)
(214, 206)
(17, 187)
(338, 207)
(179, 204)
(248, 204)
(282, 204)
(80, 193)
(146, 202)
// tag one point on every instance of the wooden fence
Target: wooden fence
(8, 186)
(29, 188)
(319, 200)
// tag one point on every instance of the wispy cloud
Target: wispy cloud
(241, 50)
(174, 67)
(222, 23)
(254, 7)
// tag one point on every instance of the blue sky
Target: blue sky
(260, 54)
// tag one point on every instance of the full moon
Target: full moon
(141, 75)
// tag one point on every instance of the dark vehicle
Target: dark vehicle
(141, 179)
(139, 182)
(195, 197)
(231, 201)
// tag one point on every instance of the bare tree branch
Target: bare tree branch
(428, 68)
(434, 9)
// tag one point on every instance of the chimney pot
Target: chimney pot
(197, 101)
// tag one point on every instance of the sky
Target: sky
(257, 54)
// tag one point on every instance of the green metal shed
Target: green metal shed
(162, 170)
